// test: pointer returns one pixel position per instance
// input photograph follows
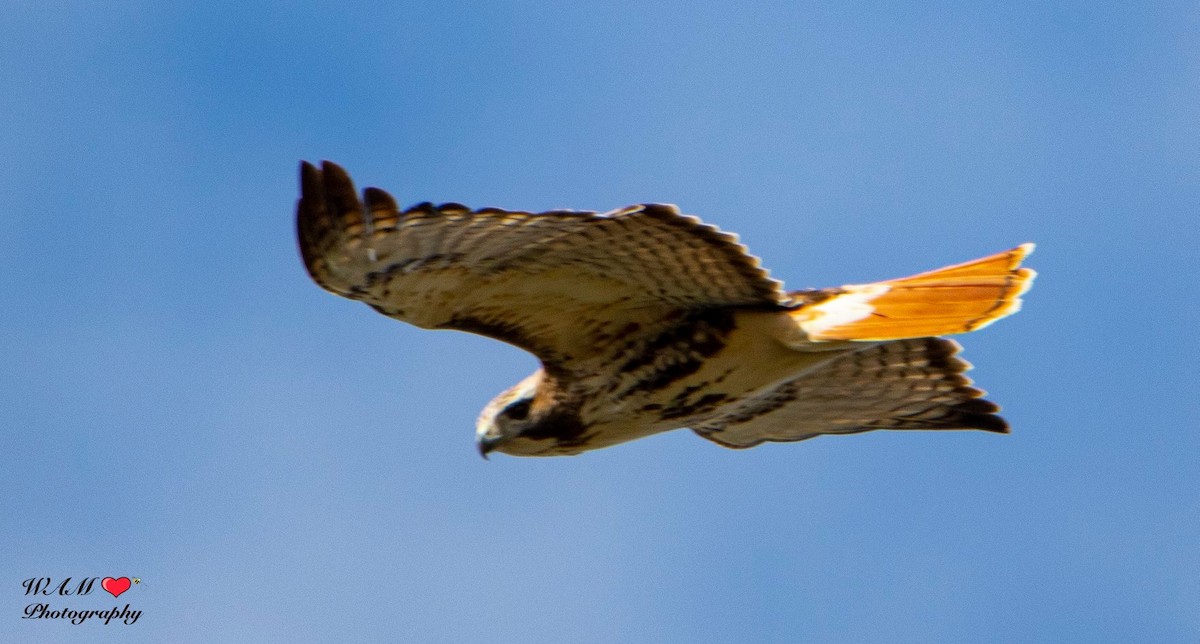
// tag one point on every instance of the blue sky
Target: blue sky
(179, 402)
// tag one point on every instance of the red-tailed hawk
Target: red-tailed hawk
(647, 320)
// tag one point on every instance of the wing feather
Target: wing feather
(555, 283)
(904, 384)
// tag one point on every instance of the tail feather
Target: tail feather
(954, 299)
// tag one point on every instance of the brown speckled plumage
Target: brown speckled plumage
(647, 320)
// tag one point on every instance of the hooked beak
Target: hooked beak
(486, 445)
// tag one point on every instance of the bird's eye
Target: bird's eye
(518, 410)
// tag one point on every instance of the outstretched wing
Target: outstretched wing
(905, 384)
(560, 284)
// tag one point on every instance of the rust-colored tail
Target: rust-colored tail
(954, 299)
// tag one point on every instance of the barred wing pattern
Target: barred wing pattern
(561, 284)
(904, 384)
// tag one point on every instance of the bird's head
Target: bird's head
(530, 420)
(503, 424)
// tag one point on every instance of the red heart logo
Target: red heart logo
(115, 586)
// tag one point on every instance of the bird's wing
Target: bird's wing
(904, 384)
(561, 284)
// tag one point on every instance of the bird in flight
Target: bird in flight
(647, 320)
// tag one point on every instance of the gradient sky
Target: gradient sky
(179, 402)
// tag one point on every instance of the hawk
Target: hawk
(647, 320)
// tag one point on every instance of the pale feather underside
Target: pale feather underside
(904, 384)
(561, 284)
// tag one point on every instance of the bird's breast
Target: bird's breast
(688, 372)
